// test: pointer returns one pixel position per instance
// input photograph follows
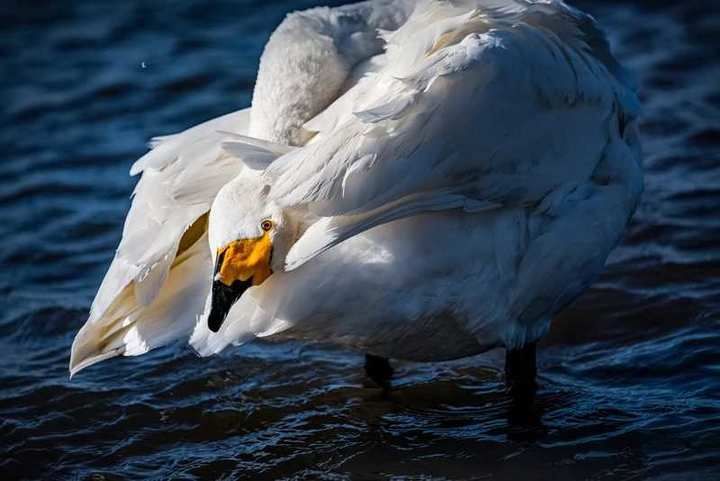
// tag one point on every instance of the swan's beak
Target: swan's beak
(239, 265)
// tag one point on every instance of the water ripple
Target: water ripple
(630, 375)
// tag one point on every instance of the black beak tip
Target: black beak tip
(215, 320)
(223, 298)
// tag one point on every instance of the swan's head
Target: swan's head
(249, 238)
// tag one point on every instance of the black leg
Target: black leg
(524, 414)
(520, 371)
(379, 370)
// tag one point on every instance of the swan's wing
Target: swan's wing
(155, 284)
(499, 110)
(127, 328)
(482, 103)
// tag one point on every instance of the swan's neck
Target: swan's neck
(307, 60)
(297, 79)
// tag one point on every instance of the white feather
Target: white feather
(181, 177)
(457, 169)
(130, 328)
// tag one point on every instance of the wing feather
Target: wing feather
(150, 293)
(181, 177)
(127, 328)
(504, 115)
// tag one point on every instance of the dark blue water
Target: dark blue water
(630, 374)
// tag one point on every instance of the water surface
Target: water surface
(630, 374)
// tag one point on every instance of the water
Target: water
(630, 374)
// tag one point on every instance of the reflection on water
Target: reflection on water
(630, 375)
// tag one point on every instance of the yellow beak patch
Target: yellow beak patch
(245, 259)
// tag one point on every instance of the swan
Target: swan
(417, 180)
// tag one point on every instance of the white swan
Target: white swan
(426, 193)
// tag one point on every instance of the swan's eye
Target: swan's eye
(266, 225)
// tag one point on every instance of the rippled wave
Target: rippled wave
(630, 374)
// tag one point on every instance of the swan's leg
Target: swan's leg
(379, 370)
(520, 371)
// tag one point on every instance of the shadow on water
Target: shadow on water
(629, 375)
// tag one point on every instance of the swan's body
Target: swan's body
(435, 192)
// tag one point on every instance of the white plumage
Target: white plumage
(440, 187)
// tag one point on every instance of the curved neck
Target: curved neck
(307, 60)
